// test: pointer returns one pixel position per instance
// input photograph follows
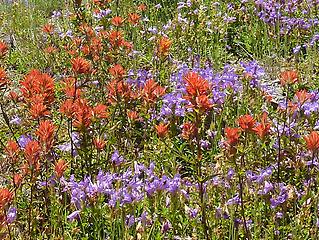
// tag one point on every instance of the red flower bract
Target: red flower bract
(32, 154)
(195, 85)
(246, 122)
(117, 71)
(60, 168)
(189, 130)
(3, 78)
(161, 129)
(81, 65)
(38, 85)
(312, 141)
(152, 91)
(133, 18)
(203, 102)
(232, 135)
(46, 133)
(262, 129)
(99, 143)
(83, 114)
(164, 46)
(288, 77)
(117, 21)
(5, 197)
(3, 49)
(303, 96)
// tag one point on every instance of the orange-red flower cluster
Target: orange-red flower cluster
(81, 65)
(82, 113)
(132, 115)
(232, 135)
(117, 71)
(3, 78)
(289, 77)
(117, 40)
(99, 143)
(117, 21)
(120, 91)
(246, 122)
(164, 46)
(141, 7)
(60, 168)
(161, 130)
(93, 48)
(38, 92)
(189, 130)
(3, 49)
(70, 89)
(101, 3)
(12, 149)
(197, 90)
(5, 197)
(48, 28)
(312, 141)
(303, 96)
(133, 18)
(151, 91)
(32, 155)
(262, 128)
(45, 133)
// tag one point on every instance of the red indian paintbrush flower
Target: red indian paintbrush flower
(141, 7)
(5, 197)
(288, 77)
(133, 18)
(48, 28)
(117, 21)
(303, 96)
(99, 143)
(87, 30)
(60, 168)
(152, 91)
(12, 149)
(117, 71)
(195, 85)
(37, 85)
(3, 49)
(70, 89)
(189, 130)
(161, 130)
(32, 153)
(203, 103)
(83, 114)
(164, 46)
(232, 135)
(67, 108)
(3, 78)
(46, 133)
(132, 115)
(119, 90)
(100, 111)
(38, 109)
(116, 39)
(246, 122)
(312, 141)
(81, 65)
(17, 179)
(262, 128)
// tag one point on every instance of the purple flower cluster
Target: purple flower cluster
(222, 83)
(288, 15)
(129, 187)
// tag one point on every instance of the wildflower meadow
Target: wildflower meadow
(159, 119)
